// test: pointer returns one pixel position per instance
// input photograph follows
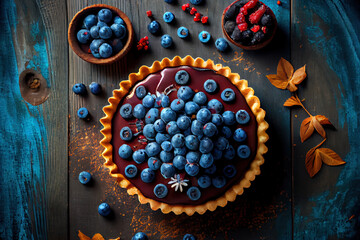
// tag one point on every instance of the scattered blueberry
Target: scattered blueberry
(140, 236)
(206, 145)
(192, 169)
(210, 86)
(147, 175)
(160, 190)
(83, 113)
(219, 181)
(84, 177)
(204, 36)
(200, 98)
(228, 95)
(125, 151)
(243, 151)
(206, 160)
(221, 44)
(104, 209)
(79, 88)
(193, 193)
(185, 93)
(239, 135)
(126, 111)
(189, 236)
(191, 108)
(118, 30)
(229, 171)
(229, 118)
(168, 17)
(179, 162)
(105, 50)
(242, 117)
(95, 88)
(166, 41)
(204, 181)
(152, 149)
(154, 163)
(90, 20)
(182, 32)
(154, 27)
(182, 77)
(167, 170)
(131, 171)
(139, 156)
(140, 92)
(139, 111)
(126, 134)
(83, 36)
(105, 15)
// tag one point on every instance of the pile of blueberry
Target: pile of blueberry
(105, 33)
(185, 135)
(249, 22)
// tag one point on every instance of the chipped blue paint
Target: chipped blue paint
(341, 48)
(23, 140)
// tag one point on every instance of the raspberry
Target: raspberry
(149, 13)
(185, 6)
(240, 18)
(256, 16)
(243, 26)
(264, 29)
(204, 19)
(255, 28)
(247, 6)
(193, 11)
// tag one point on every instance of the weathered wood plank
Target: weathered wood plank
(325, 37)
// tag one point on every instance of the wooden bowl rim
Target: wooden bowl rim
(88, 57)
(253, 47)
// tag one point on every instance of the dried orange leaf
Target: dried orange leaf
(291, 87)
(306, 129)
(299, 76)
(285, 70)
(292, 101)
(83, 236)
(318, 127)
(277, 81)
(312, 164)
(97, 236)
(323, 120)
(329, 157)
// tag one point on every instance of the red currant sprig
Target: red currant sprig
(197, 16)
(143, 43)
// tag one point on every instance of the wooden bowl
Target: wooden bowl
(252, 47)
(79, 49)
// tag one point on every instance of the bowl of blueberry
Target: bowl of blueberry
(100, 34)
(249, 24)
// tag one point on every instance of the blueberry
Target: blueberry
(131, 171)
(204, 36)
(166, 41)
(139, 156)
(79, 88)
(167, 170)
(116, 44)
(203, 115)
(192, 142)
(239, 135)
(83, 36)
(210, 129)
(266, 20)
(197, 128)
(182, 32)
(154, 163)
(193, 193)
(165, 101)
(236, 35)
(90, 21)
(242, 117)
(183, 122)
(222, 143)
(140, 92)
(154, 27)
(217, 154)
(125, 151)
(104, 209)
(191, 108)
(172, 128)
(105, 50)
(152, 115)
(101, 24)
(84, 177)
(119, 20)
(210, 86)
(246, 36)
(200, 98)
(185, 93)
(221, 44)
(229, 27)
(105, 32)
(139, 111)
(166, 157)
(147, 175)
(166, 146)
(215, 106)
(179, 162)
(180, 151)
(257, 38)
(168, 17)
(161, 137)
(211, 170)
(105, 15)
(118, 30)
(229, 153)
(152, 149)
(193, 157)
(160, 190)
(231, 12)
(182, 77)
(83, 113)
(95, 88)
(228, 95)
(178, 140)
(140, 236)
(160, 126)
(126, 134)
(126, 111)
(229, 118)
(229, 171)
(95, 47)
(158, 100)
(243, 151)
(204, 181)
(206, 160)
(206, 145)
(177, 105)
(148, 101)
(189, 237)
(226, 131)
(196, 2)
(192, 169)
(169, 1)
(94, 31)
(217, 119)
(219, 181)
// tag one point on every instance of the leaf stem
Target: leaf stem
(296, 96)
(320, 143)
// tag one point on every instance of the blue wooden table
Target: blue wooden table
(45, 147)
